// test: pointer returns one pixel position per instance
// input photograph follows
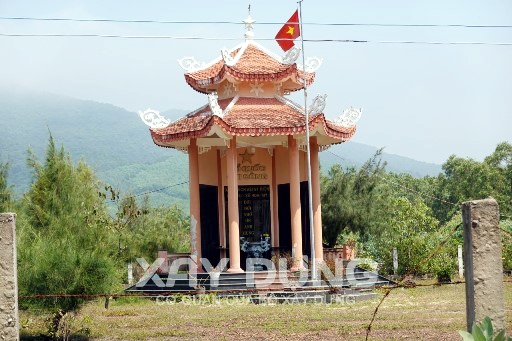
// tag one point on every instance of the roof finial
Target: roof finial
(249, 34)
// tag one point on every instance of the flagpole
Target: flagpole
(310, 188)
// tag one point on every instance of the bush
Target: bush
(443, 266)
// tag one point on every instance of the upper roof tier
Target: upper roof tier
(245, 63)
(246, 87)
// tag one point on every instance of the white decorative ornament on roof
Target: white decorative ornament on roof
(226, 56)
(289, 103)
(291, 56)
(228, 59)
(349, 117)
(214, 105)
(312, 64)
(231, 105)
(249, 34)
(153, 118)
(249, 22)
(189, 64)
(318, 105)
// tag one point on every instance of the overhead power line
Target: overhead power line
(356, 41)
(153, 191)
(129, 21)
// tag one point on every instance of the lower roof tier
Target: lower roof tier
(260, 122)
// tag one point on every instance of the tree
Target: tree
(501, 161)
(5, 191)
(406, 186)
(468, 179)
(143, 230)
(65, 246)
(352, 200)
(411, 229)
(506, 241)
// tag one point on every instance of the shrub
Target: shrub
(484, 332)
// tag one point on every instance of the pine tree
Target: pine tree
(5, 191)
(66, 246)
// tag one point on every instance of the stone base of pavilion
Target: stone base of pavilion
(265, 286)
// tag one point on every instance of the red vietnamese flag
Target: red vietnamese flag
(289, 32)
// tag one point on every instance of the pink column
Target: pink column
(317, 207)
(195, 209)
(275, 215)
(164, 268)
(234, 230)
(295, 212)
(220, 204)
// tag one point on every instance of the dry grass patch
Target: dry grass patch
(424, 313)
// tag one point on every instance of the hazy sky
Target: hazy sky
(423, 101)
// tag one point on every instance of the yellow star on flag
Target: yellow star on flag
(290, 30)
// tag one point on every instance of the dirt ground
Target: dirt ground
(422, 313)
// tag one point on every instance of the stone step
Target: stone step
(359, 279)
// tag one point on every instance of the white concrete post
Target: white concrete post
(395, 261)
(483, 263)
(130, 273)
(460, 261)
(9, 325)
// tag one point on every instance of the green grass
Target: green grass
(422, 313)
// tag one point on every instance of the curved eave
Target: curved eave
(249, 59)
(205, 85)
(203, 128)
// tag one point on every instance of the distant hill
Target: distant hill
(117, 145)
(113, 141)
(355, 154)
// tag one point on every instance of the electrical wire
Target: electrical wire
(152, 191)
(407, 42)
(129, 21)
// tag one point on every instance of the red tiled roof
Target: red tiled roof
(249, 117)
(254, 64)
(255, 61)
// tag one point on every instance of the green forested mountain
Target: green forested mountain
(356, 154)
(113, 141)
(117, 146)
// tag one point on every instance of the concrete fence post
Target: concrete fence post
(483, 265)
(130, 273)
(460, 261)
(9, 325)
(395, 261)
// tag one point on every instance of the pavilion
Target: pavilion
(248, 167)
